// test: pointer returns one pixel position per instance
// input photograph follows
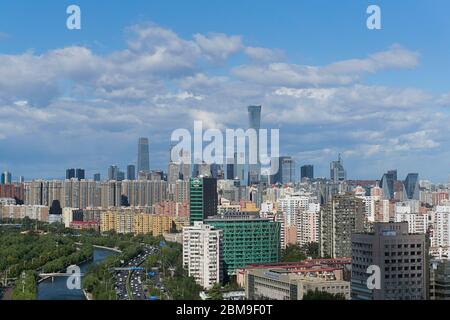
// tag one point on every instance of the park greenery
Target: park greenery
(322, 295)
(26, 287)
(294, 253)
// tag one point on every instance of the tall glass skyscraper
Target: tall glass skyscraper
(307, 171)
(131, 172)
(411, 185)
(254, 118)
(387, 184)
(143, 155)
(337, 171)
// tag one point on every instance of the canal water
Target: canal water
(57, 289)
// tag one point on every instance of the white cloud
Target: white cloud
(339, 73)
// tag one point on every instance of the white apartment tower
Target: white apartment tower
(202, 253)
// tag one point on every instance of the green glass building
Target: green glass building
(203, 198)
(247, 240)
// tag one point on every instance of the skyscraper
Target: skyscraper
(203, 198)
(173, 172)
(411, 185)
(80, 174)
(70, 174)
(337, 171)
(131, 172)
(6, 178)
(254, 169)
(75, 173)
(307, 171)
(113, 173)
(143, 155)
(97, 177)
(286, 170)
(387, 184)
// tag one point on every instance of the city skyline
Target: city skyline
(380, 98)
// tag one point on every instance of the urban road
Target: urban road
(129, 278)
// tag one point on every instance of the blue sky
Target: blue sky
(75, 98)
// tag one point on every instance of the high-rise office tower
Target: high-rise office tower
(337, 171)
(113, 173)
(143, 155)
(411, 186)
(254, 169)
(307, 171)
(286, 170)
(131, 172)
(203, 198)
(97, 177)
(343, 215)
(202, 254)
(75, 173)
(230, 169)
(387, 184)
(120, 175)
(6, 178)
(402, 259)
(80, 174)
(70, 174)
(185, 170)
(173, 172)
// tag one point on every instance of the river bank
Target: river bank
(58, 290)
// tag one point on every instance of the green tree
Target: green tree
(215, 293)
(322, 295)
(293, 253)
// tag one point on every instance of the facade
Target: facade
(247, 239)
(34, 212)
(203, 198)
(254, 119)
(339, 218)
(128, 221)
(337, 170)
(307, 171)
(411, 185)
(202, 254)
(387, 184)
(143, 163)
(402, 258)
(291, 281)
(131, 172)
(440, 279)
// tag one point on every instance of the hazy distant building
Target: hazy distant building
(97, 177)
(254, 169)
(143, 155)
(113, 173)
(286, 171)
(402, 259)
(387, 184)
(337, 170)
(131, 172)
(307, 171)
(6, 178)
(411, 185)
(75, 174)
